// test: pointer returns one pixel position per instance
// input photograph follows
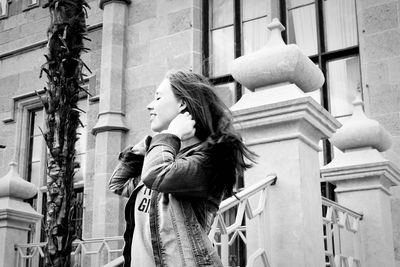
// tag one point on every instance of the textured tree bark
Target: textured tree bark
(64, 87)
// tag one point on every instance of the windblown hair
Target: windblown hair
(213, 126)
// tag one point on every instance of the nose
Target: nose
(150, 106)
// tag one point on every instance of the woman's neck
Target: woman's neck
(188, 142)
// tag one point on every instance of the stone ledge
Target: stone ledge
(304, 108)
(110, 121)
(104, 2)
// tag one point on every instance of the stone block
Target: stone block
(380, 18)
(15, 8)
(370, 3)
(180, 21)
(96, 40)
(182, 61)
(115, 13)
(15, 33)
(11, 22)
(394, 70)
(140, 10)
(30, 81)
(30, 28)
(378, 72)
(382, 45)
(169, 6)
(138, 54)
(147, 30)
(384, 99)
(8, 85)
(171, 46)
(391, 122)
(140, 76)
(4, 37)
(95, 14)
(114, 35)
(36, 14)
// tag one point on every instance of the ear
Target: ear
(182, 106)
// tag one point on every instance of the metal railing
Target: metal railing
(224, 235)
(89, 252)
(99, 251)
(341, 235)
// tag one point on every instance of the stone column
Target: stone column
(363, 179)
(15, 215)
(107, 217)
(284, 126)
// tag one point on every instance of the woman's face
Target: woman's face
(164, 108)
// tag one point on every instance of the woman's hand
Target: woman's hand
(182, 126)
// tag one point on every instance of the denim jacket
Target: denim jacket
(182, 207)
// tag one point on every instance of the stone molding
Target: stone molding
(299, 109)
(18, 219)
(110, 121)
(359, 177)
(102, 3)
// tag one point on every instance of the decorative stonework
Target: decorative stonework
(12, 185)
(360, 132)
(277, 63)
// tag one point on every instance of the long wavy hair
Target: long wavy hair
(213, 127)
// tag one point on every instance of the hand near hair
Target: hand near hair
(182, 126)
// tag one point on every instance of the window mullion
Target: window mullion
(206, 39)
(238, 40)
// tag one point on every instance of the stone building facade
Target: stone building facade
(134, 43)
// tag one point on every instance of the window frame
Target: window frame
(322, 58)
(24, 106)
(237, 39)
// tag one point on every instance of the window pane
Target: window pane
(222, 13)
(297, 3)
(222, 51)
(36, 173)
(80, 173)
(302, 28)
(340, 26)
(255, 35)
(37, 145)
(254, 8)
(38, 122)
(344, 83)
(227, 93)
(80, 145)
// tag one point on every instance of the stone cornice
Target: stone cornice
(304, 108)
(364, 176)
(110, 121)
(102, 3)
(19, 217)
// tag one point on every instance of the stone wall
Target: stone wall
(379, 33)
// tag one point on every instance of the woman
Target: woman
(176, 179)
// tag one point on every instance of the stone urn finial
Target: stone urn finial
(12, 185)
(361, 132)
(277, 63)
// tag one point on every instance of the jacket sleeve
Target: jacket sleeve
(184, 176)
(126, 176)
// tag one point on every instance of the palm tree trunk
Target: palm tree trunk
(64, 72)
